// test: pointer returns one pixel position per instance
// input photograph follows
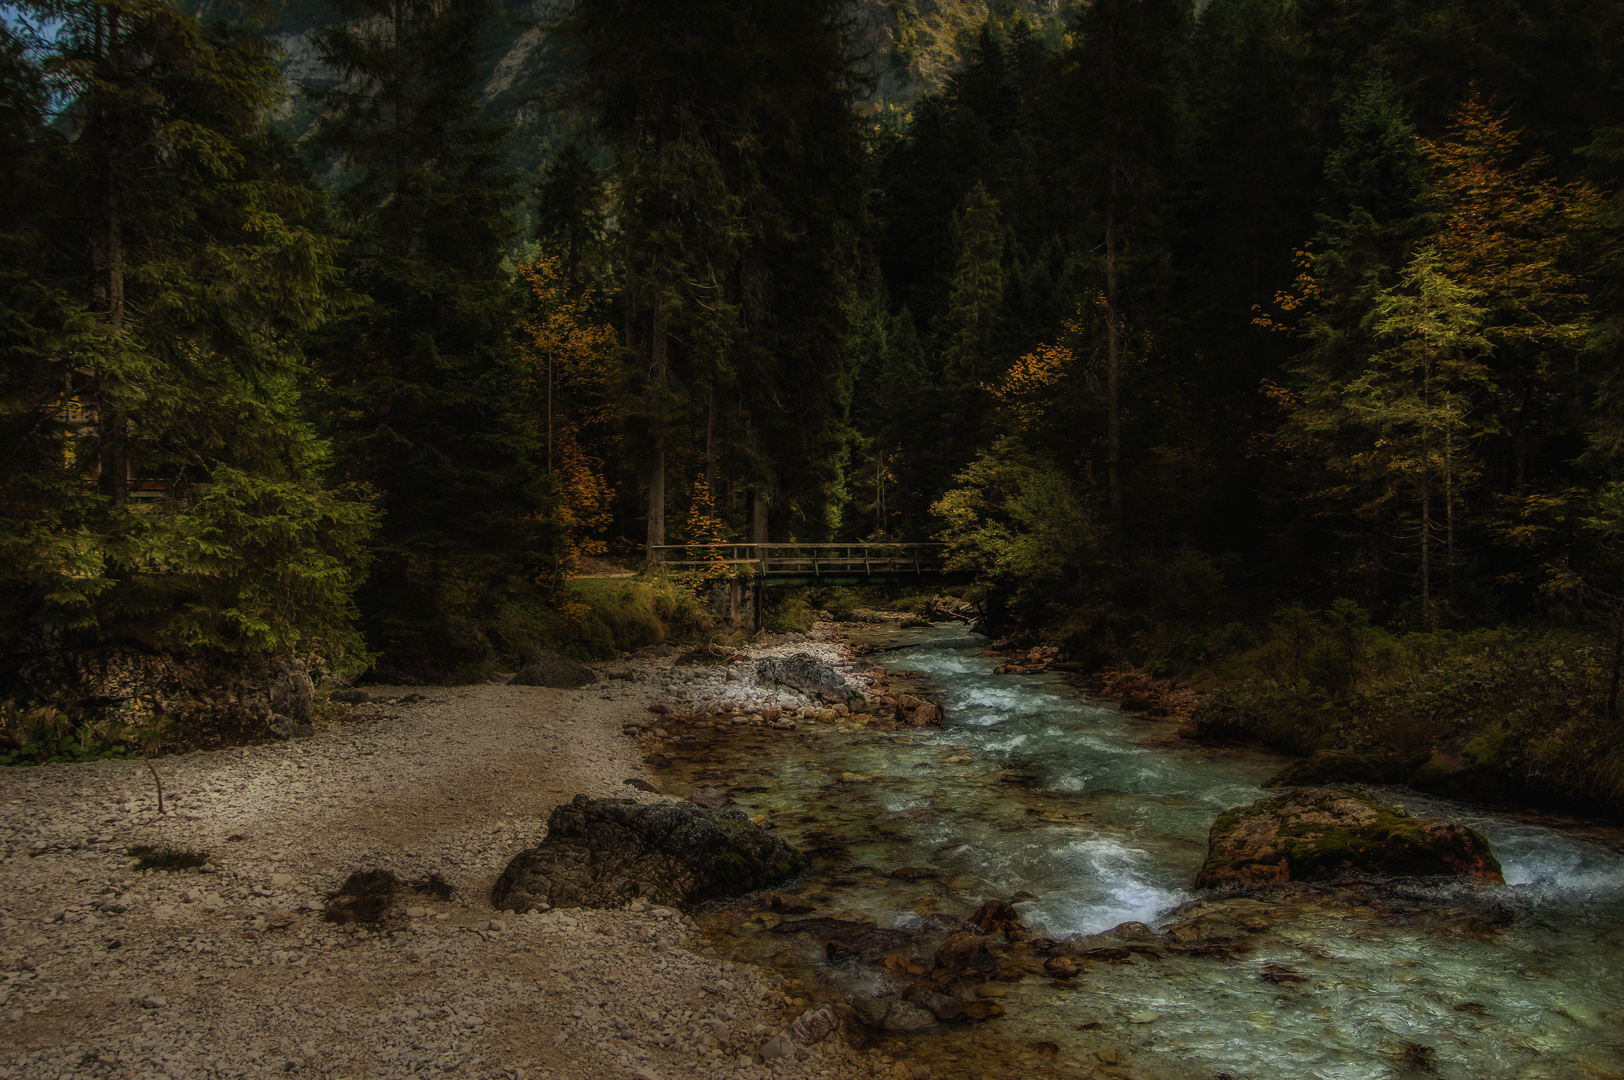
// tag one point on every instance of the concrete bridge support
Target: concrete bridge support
(737, 601)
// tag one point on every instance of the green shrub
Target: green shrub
(791, 615)
(38, 735)
(603, 617)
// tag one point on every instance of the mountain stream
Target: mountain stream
(1032, 792)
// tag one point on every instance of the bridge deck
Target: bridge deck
(820, 564)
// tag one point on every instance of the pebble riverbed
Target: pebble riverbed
(229, 970)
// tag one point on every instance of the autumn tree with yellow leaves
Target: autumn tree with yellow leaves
(570, 359)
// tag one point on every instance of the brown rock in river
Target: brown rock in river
(1319, 833)
(995, 916)
(964, 951)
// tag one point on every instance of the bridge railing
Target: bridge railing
(808, 560)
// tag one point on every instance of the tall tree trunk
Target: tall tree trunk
(1449, 516)
(107, 256)
(710, 443)
(1113, 346)
(1618, 663)
(1113, 372)
(657, 344)
(1426, 553)
(758, 515)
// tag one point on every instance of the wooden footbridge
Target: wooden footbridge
(790, 565)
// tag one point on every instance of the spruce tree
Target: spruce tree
(427, 388)
(1126, 72)
(170, 272)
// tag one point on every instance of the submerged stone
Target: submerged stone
(607, 852)
(1319, 833)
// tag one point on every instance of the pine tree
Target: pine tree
(655, 75)
(428, 390)
(1126, 72)
(739, 173)
(1513, 235)
(978, 292)
(163, 351)
(1375, 218)
(571, 214)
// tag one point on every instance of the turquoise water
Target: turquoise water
(1028, 787)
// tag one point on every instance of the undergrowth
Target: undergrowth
(41, 734)
(1491, 715)
(600, 618)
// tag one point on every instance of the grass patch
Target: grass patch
(600, 618)
(149, 857)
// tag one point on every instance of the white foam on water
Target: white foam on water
(1113, 888)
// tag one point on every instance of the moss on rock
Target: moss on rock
(1320, 833)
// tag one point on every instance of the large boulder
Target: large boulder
(550, 669)
(1323, 833)
(606, 852)
(808, 675)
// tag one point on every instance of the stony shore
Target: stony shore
(229, 969)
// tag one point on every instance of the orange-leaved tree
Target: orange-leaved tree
(1515, 238)
(571, 359)
(704, 528)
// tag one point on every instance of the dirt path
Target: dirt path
(228, 970)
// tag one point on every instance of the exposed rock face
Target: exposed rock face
(808, 675)
(290, 690)
(606, 852)
(1320, 833)
(551, 669)
(195, 699)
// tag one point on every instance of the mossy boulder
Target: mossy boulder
(606, 852)
(1316, 834)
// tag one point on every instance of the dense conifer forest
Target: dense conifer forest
(1276, 334)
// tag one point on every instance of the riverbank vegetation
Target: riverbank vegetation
(1191, 329)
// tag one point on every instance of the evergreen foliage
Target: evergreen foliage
(166, 258)
(426, 388)
(1284, 300)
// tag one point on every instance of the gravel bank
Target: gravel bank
(228, 970)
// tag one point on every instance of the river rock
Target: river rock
(941, 1006)
(606, 852)
(1320, 833)
(711, 799)
(865, 940)
(906, 1018)
(808, 1029)
(965, 951)
(810, 676)
(550, 669)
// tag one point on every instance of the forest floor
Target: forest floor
(229, 969)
